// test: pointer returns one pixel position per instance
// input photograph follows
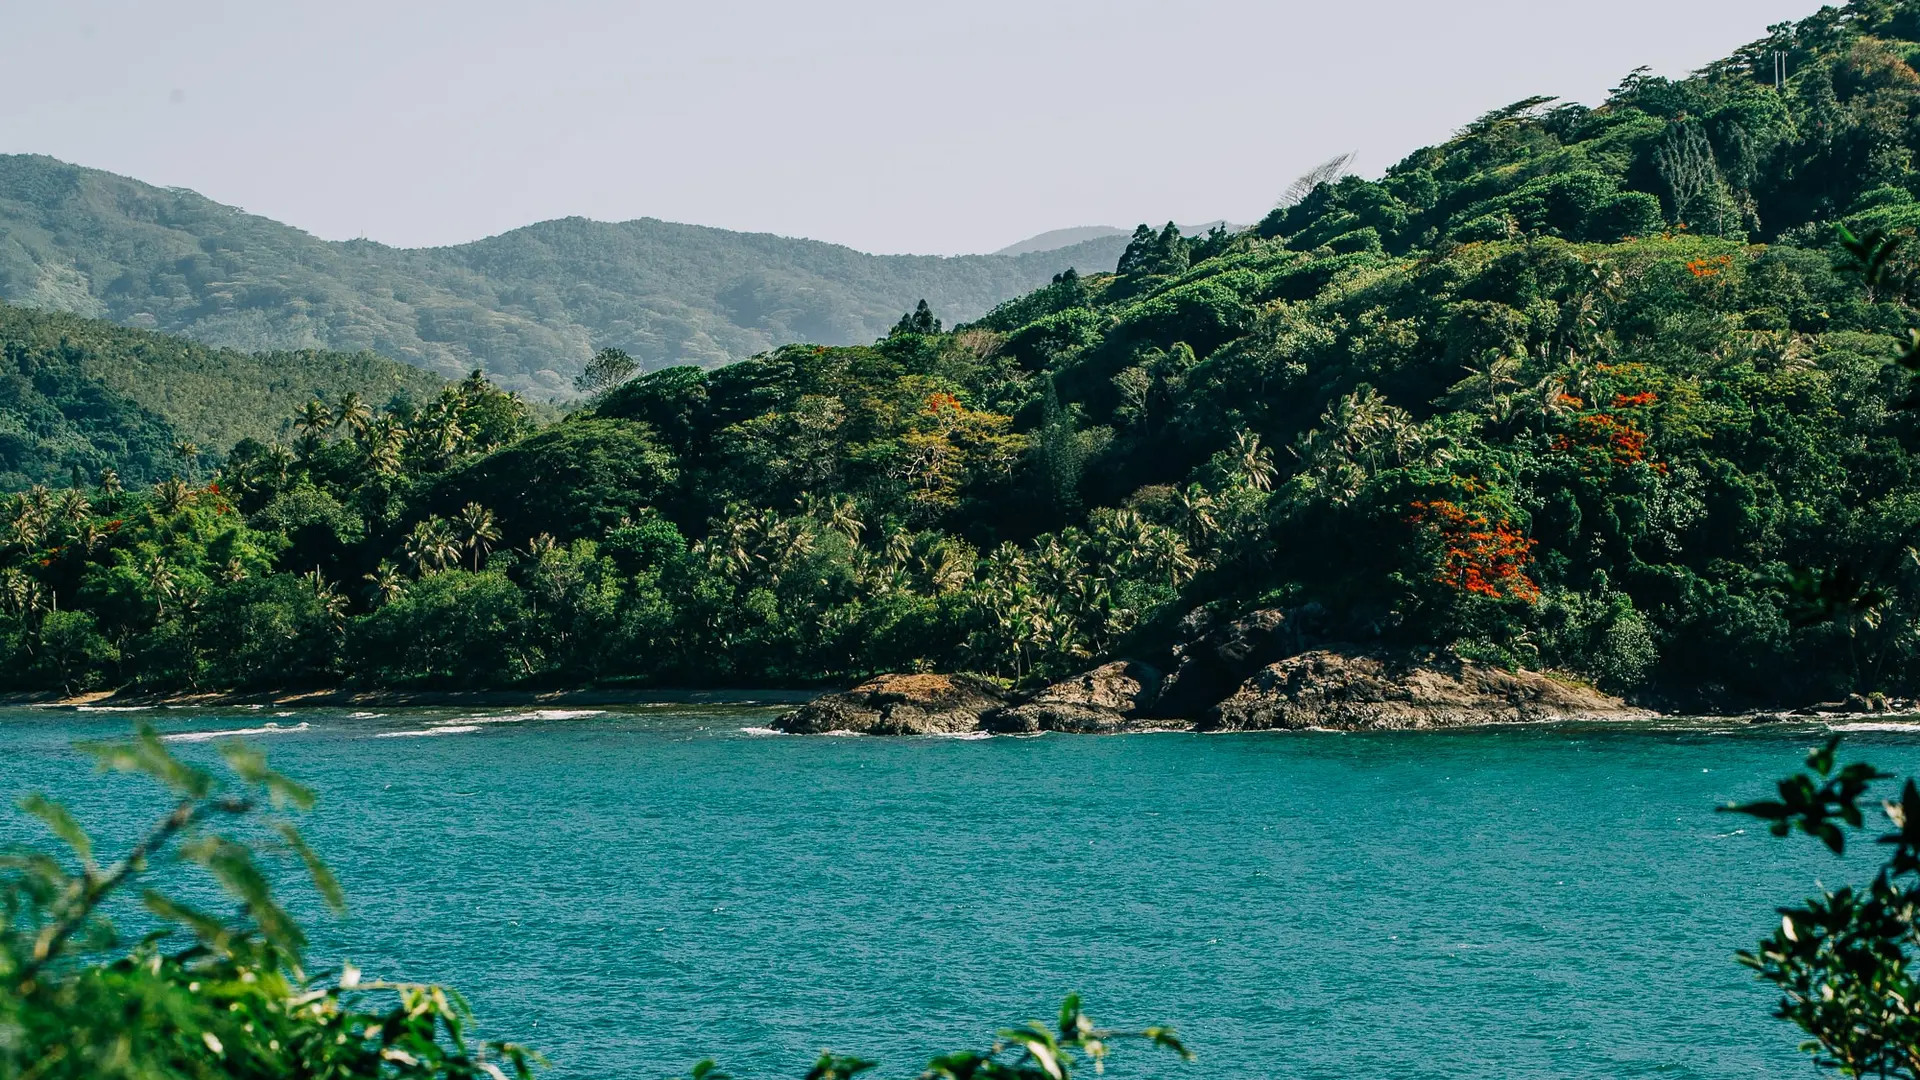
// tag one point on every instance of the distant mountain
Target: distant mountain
(528, 307)
(1060, 239)
(83, 394)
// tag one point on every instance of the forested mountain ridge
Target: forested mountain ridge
(528, 307)
(1603, 390)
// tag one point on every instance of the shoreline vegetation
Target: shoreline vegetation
(1610, 392)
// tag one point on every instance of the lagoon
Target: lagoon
(632, 889)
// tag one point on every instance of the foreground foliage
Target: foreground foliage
(1602, 390)
(207, 994)
(1842, 960)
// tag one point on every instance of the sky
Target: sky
(934, 128)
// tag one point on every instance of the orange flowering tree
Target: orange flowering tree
(1480, 554)
(1613, 438)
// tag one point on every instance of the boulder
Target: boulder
(1356, 689)
(1107, 700)
(899, 705)
(1214, 658)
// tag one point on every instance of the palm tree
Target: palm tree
(314, 419)
(1487, 382)
(189, 452)
(234, 572)
(74, 506)
(88, 538)
(277, 463)
(353, 413)
(478, 531)
(380, 445)
(172, 494)
(431, 546)
(109, 483)
(1252, 463)
(331, 603)
(387, 582)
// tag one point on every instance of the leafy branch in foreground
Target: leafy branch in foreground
(75, 1002)
(1032, 1052)
(1841, 959)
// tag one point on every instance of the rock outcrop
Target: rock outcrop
(1214, 658)
(1108, 700)
(899, 705)
(1356, 689)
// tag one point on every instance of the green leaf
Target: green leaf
(58, 819)
(323, 879)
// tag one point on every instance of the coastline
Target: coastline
(338, 699)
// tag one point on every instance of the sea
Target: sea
(633, 889)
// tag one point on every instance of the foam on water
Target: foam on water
(441, 729)
(234, 733)
(531, 716)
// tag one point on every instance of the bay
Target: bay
(633, 889)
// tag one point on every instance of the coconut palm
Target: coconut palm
(109, 483)
(1488, 384)
(353, 413)
(478, 531)
(1252, 463)
(74, 506)
(188, 452)
(387, 582)
(381, 443)
(277, 464)
(172, 494)
(314, 419)
(431, 546)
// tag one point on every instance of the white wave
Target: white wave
(445, 729)
(112, 708)
(845, 734)
(203, 736)
(365, 715)
(533, 714)
(1876, 726)
(760, 731)
(961, 736)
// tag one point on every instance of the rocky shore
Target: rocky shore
(1269, 670)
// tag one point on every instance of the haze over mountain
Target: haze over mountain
(528, 306)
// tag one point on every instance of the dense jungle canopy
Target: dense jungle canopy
(1601, 390)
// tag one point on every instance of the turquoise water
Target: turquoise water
(634, 889)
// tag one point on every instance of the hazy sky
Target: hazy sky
(941, 128)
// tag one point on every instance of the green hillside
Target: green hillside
(528, 307)
(1605, 390)
(84, 393)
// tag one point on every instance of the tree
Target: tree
(478, 531)
(918, 321)
(353, 413)
(386, 582)
(609, 368)
(1310, 181)
(431, 546)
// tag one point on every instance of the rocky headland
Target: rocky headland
(1268, 670)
